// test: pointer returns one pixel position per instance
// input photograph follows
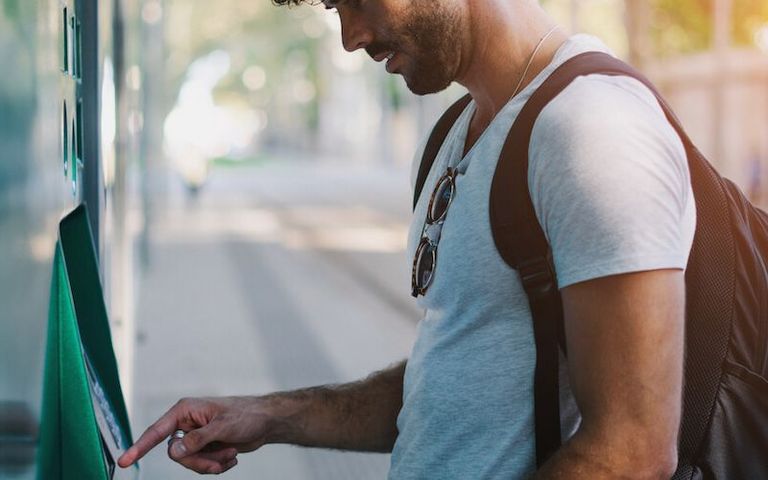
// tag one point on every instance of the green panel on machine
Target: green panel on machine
(84, 424)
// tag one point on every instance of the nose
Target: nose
(354, 31)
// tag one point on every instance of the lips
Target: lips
(383, 55)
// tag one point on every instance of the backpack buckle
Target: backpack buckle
(538, 277)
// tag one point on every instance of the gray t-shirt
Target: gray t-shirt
(610, 185)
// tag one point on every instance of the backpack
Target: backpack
(724, 425)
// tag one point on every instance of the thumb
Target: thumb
(194, 441)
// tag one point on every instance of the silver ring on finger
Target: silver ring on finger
(177, 435)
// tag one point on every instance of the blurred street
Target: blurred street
(247, 185)
(276, 276)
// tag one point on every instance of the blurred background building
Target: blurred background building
(248, 183)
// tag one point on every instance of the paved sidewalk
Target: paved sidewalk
(277, 277)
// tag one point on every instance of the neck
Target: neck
(503, 36)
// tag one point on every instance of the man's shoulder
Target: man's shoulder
(597, 102)
(609, 181)
(605, 116)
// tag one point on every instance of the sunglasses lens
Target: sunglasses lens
(425, 265)
(441, 199)
(426, 253)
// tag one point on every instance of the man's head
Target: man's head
(419, 39)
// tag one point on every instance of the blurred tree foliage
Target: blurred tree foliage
(748, 17)
(285, 42)
(686, 26)
(681, 26)
(254, 33)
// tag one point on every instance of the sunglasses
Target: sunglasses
(425, 259)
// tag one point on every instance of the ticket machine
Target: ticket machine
(64, 141)
(84, 424)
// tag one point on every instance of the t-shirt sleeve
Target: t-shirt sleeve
(609, 181)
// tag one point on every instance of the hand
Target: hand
(217, 429)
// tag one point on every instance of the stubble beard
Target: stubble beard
(433, 32)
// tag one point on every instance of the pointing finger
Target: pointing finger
(155, 434)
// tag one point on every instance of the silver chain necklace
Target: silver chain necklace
(533, 55)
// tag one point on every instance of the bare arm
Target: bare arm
(625, 349)
(355, 416)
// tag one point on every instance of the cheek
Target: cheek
(386, 30)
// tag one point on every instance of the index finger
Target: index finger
(151, 437)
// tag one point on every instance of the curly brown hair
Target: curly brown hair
(296, 2)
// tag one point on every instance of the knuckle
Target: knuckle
(193, 464)
(193, 438)
(230, 465)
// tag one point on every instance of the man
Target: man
(611, 188)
